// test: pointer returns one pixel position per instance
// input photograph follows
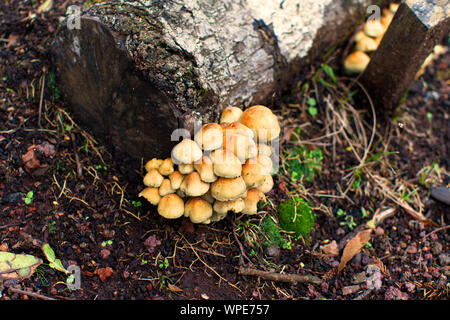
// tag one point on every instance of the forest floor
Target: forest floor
(60, 186)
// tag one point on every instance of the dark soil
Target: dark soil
(84, 195)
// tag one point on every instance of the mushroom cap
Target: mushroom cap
(171, 206)
(226, 164)
(209, 137)
(356, 62)
(359, 35)
(393, 7)
(198, 210)
(153, 178)
(187, 151)
(153, 164)
(264, 149)
(206, 170)
(366, 44)
(243, 147)
(230, 114)
(237, 128)
(166, 167)
(222, 207)
(386, 18)
(251, 201)
(186, 168)
(165, 188)
(267, 184)
(225, 189)
(193, 186)
(255, 169)
(175, 179)
(151, 194)
(374, 28)
(262, 121)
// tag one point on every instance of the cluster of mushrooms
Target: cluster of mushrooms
(368, 39)
(226, 167)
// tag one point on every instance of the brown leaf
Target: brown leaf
(331, 249)
(174, 288)
(12, 39)
(354, 246)
(104, 273)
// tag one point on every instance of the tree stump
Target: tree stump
(133, 71)
(416, 28)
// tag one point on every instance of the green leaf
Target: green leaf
(295, 215)
(28, 201)
(303, 162)
(17, 266)
(311, 102)
(329, 71)
(30, 194)
(50, 255)
(312, 111)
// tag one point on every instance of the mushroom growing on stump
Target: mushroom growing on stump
(226, 167)
(356, 62)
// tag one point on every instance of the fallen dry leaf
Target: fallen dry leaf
(104, 273)
(331, 249)
(174, 288)
(354, 246)
(12, 39)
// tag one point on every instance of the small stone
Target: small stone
(410, 286)
(436, 249)
(411, 249)
(273, 251)
(104, 253)
(444, 259)
(428, 256)
(359, 278)
(350, 289)
(379, 231)
(403, 245)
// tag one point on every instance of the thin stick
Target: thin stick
(283, 277)
(77, 158)
(31, 294)
(41, 100)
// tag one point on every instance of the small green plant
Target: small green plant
(312, 109)
(99, 166)
(136, 204)
(164, 264)
(272, 232)
(29, 197)
(108, 242)
(301, 162)
(348, 219)
(295, 216)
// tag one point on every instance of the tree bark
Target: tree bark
(136, 70)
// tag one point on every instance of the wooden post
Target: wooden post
(416, 28)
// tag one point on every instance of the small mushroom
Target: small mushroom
(373, 28)
(153, 164)
(366, 44)
(393, 7)
(255, 170)
(206, 170)
(222, 207)
(262, 121)
(226, 164)
(171, 206)
(186, 168)
(193, 186)
(175, 179)
(230, 114)
(228, 189)
(237, 128)
(187, 151)
(165, 188)
(209, 137)
(242, 146)
(198, 210)
(356, 62)
(266, 185)
(251, 201)
(264, 149)
(153, 178)
(166, 167)
(151, 194)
